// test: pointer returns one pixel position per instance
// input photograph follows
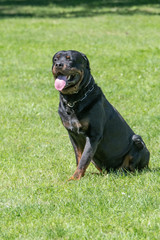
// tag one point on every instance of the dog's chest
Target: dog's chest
(73, 123)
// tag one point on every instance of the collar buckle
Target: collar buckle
(70, 104)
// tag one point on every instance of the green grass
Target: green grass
(121, 40)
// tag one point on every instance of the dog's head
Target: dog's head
(69, 69)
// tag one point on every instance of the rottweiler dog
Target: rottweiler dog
(97, 131)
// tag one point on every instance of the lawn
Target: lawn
(122, 42)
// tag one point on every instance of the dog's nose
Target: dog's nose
(59, 65)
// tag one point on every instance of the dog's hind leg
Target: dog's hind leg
(140, 154)
(99, 169)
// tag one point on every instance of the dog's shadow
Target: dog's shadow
(123, 172)
(155, 169)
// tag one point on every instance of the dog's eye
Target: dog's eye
(68, 57)
(56, 58)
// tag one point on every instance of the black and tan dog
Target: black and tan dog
(97, 131)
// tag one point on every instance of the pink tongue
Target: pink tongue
(60, 82)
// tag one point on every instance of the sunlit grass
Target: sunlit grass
(37, 158)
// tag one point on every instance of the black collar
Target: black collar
(71, 104)
(81, 95)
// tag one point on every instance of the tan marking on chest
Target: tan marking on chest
(77, 125)
(84, 124)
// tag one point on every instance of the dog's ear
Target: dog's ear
(86, 60)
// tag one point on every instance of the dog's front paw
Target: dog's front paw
(79, 173)
(73, 178)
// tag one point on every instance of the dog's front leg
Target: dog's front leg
(88, 153)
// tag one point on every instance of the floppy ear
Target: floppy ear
(86, 60)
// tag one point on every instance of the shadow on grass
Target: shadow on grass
(125, 173)
(75, 8)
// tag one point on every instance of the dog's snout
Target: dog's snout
(59, 64)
